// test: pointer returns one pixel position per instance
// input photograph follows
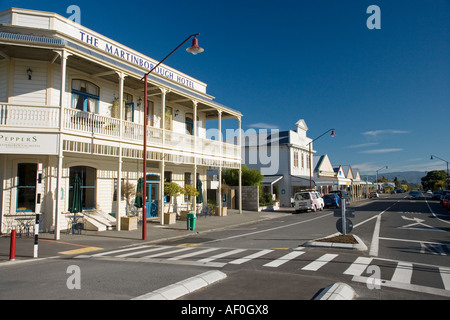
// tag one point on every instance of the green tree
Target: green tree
(434, 179)
(250, 177)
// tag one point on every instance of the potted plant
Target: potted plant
(128, 190)
(190, 191)
(172, 189)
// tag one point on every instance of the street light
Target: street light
(384, 167)
(333, 134)
(194, 49)
(431, 158)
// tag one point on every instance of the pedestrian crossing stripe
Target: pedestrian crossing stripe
(205, 256)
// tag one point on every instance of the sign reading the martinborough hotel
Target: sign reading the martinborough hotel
(28, 143)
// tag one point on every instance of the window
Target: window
(295, 159)
(150, 113)
(167, 178)
(128, 105)
(189, 124)
(85, 96)
(303, 160)
(26, 187)
(88, 177)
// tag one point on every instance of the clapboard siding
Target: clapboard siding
(3, 79)
(34, 91)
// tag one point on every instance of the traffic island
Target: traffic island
(347, 241)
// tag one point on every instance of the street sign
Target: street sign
(348, 213)
(344, 225)
(348, 226)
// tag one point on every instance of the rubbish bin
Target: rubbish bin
(191, 218)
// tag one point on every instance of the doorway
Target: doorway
(152, 195)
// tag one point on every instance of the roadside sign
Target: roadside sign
(348, 226)
(348, 213)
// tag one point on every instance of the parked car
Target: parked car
(373, 194)
(319, 200)
(444, 193)
(445, 201)
(331, 200)
(343, 194)
(436, 195)
(414, 194)
(305, 201)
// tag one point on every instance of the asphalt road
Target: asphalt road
(406, 258)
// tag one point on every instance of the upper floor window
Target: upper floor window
(85, 95)
(189, 124)
(128, 105)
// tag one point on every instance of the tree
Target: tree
(250, 177)
(434, 179)
(190, 191)
(172, 189)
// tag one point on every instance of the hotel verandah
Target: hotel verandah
(93, 128)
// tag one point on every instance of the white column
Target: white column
(163, 164)
(119, 168)
(58, 205)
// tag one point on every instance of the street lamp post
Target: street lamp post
(310, 160)
(194, 49)
(431, 158)
(384, 167)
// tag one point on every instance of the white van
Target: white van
(305, 201)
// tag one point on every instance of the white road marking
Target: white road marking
(403, 272)
(358, 267)
(252, 256)
(221, 255)
(192, 254)
(320, 262)
(282, 260)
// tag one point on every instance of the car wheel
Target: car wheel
(314, 209)
(321, 208)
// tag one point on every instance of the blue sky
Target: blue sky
(385, 91)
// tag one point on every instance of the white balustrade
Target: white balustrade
(95, 124)
(29, 116)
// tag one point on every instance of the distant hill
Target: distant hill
(409, 176)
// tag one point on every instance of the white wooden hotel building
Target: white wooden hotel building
(71, 103)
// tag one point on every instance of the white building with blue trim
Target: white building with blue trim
(71, 100)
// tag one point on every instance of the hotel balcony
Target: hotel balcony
(89, 133)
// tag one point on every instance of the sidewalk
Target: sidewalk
(90, 241)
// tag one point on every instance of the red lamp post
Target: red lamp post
(194, 49)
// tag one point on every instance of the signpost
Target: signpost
(343, 224)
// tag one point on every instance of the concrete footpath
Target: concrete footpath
(91, 241)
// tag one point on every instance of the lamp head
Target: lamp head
(332, 133)
(194, 49)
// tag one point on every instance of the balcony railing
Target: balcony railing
(106, 127)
